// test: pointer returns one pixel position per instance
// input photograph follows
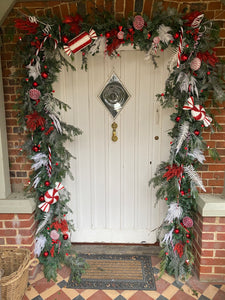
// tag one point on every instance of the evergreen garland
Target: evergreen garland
(195, 77)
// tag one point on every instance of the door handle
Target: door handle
(114, 136)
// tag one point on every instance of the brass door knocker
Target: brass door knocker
(114, 137)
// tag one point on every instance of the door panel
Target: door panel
(111, 199)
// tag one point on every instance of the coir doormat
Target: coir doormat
(116, 272)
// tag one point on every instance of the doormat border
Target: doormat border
(148, 282)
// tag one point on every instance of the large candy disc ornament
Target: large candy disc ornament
(198, 112)
(51, 197)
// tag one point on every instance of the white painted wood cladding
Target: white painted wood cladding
(111, 199)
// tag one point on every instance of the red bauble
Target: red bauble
(208, 73)
(42, 128)
(65, 39)
(176, 35)
(65, 236)
(47, 183)
(36, 148)
(44, 75)
(188, 235)
(176, 231)
(42, 198)
(184, 57)
(107, 34)
(35, 84)
(196, 132)
(167, 253)
(182, 193)
(45, 254)
(178, 119)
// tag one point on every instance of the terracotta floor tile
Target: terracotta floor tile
(210, 292)
(170, 291)
(155, 260)
(153, 294)
(99, 295)
(88, 293)
(220, 295)
(71, 293)
(60, 295)
(64, 272)
(197, 285)
(52, 290)
(161, 285)
(112, 293)
(128, 294)
(42, 285)
(140, 295)
(182, 296)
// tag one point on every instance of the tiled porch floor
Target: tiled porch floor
(167, 288)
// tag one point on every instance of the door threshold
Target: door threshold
(113, 249)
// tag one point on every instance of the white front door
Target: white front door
(110, 196)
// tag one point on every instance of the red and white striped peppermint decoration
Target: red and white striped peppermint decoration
(49, 162)
(180, 47)
(51, 197)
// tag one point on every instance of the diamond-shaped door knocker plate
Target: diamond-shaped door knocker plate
(114, 95)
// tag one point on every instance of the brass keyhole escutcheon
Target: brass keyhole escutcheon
(114, 136)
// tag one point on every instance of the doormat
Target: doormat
(116, 272)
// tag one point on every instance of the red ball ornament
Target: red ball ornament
(182, 193)
(184, 57)
(65, 39)
(208, 73)
(35, 84)
(176, 35)
(196, 132)
(36, 148)
(47, 183)
(149, 35)
(167, 253)
(107, 35)
(46, 67)
(166, 198)
(176, 231)
(42, 128)
(44, 75)
(65, 236)
(120, 28)
(27, 79)
(42, 198)
(45, 254)
(178, 119)
(187, 241)
(57, 164)
(188, 235)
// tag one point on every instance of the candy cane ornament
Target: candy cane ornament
(49, 162)
(180, 47)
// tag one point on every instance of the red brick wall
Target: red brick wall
(17, 230)
(212, 172)
(209, 248)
